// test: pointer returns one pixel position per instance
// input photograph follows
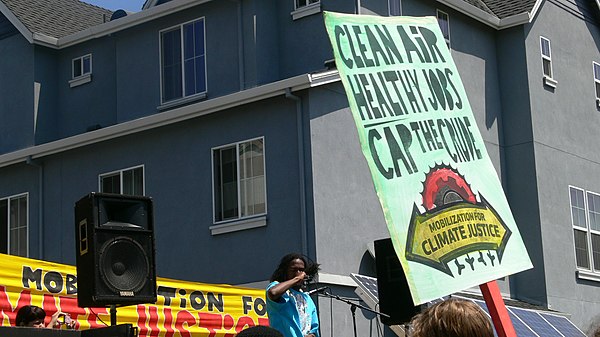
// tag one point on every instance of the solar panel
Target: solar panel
(521, 329)
(563, 325)
(368, 285)
(527, 323)
(536, 322)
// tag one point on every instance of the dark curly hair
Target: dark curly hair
(280, 274)
(29, 313)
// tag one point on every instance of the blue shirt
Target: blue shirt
(294, 315)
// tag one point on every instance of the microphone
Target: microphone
(317, 290)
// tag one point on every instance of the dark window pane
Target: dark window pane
(87, 65)
(545, 47)
(111, 184)
(596, 251)
(188, 40)
(547, 67)
(133, 181)
(226, 206)
(171, 65)
(581, 249)
(199, 37)
(578, 208)
(18, 226)
(190, 77)
(77, 67)
(4, 226)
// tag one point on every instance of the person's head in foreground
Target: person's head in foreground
(259, 331)
(31, 316)
(452, 318)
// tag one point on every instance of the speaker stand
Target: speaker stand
(113, 314)
(353, 307)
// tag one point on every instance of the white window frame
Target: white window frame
(439, 13)
(241, 222)
(9, 198)
(547, 78)
(120, 173)
(596, 74)
(189, 98)
(305, 10)
(590, 273)
(84, 77)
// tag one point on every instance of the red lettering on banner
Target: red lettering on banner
(263, 321)
(153, 322)
(242, 322)
(142, 320)
(210, 322)
(49, 306)
(6, 308)
(184, 317)
(228, 322)
(168, 324)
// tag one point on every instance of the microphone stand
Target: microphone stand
(353, 307)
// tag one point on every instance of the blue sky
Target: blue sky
(128, 5)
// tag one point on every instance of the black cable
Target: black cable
(98, 317)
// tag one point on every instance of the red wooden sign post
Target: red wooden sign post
(497, 308)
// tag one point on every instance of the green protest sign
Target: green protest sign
(445, 209)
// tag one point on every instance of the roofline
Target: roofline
(16, 22)
(170, 7)
(491, 20)
(127, 22)
(170, 117)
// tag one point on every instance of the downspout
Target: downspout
(40, 206)
(301, 162)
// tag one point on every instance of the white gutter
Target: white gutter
(169, 117)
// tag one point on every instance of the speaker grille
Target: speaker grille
(123, 264)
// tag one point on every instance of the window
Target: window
(82, 66)
(547, 62)
(304, 3)
(304, 8)
(183, 61)
(81, 70)
(14, 225)
(585, 215)
(444, 23)
(597, 81)
(239, 180)
(129, 181)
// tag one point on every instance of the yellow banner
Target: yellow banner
(183, 308)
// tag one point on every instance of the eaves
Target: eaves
(491, 20)
(171, 117)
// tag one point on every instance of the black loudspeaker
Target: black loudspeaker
(115, 250)
(392, 288)
(18, 331)
(121, 330)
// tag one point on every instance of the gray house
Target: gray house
(230, 115)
